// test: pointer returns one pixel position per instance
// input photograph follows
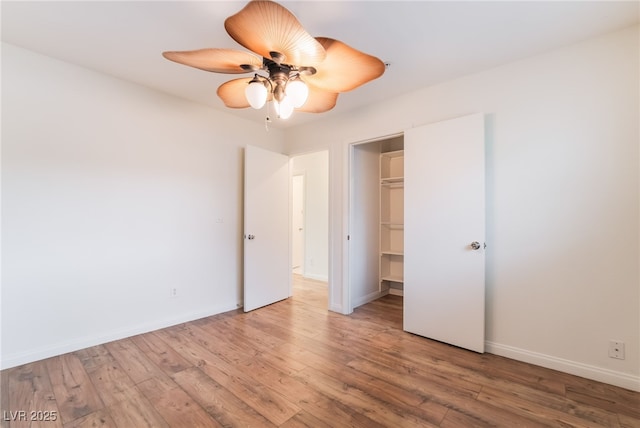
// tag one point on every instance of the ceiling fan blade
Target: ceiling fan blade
(229, 61)
(319, 101)
(344, 67)
(232, 93)
(271, 31)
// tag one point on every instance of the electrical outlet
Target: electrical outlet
(173, 292)
(616, 349)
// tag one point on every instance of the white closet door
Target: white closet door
(267, 269)
(444, 208)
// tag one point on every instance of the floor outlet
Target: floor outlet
(616, 349)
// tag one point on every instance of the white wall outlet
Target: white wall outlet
(173, 292)
(616, 349)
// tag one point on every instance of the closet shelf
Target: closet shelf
(392, 252)
(392, 221)
(393, 154)
(392, 225)
(387, 181)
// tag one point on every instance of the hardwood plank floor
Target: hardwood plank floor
(294, 364)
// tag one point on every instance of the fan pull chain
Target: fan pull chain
(267, 119)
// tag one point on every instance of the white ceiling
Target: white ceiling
(425, 42)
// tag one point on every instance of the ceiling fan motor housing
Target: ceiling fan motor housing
(279, 75)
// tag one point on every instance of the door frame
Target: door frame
(348, 201)
(303, 177)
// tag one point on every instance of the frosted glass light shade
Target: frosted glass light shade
(284, 108)
(256, 94)
(297, 91)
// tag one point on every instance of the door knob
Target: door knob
(251, 236)
(475, 245)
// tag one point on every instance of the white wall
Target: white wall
(111, 194)
(562, 198)
(315, 168)
(365, 225)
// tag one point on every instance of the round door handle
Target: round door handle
(475, 245)
(251, 236)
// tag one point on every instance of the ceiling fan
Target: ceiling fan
(292, 68)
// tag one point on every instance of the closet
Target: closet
(417, 227)
(377, 221)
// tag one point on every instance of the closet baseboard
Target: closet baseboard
(369, 298)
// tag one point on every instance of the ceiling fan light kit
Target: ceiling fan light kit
(256, 92)
(300, 71)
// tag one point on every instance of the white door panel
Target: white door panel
(444, 290)
(267, 270)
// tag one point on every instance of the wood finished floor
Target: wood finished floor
(294, 364)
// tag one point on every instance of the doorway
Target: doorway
(376, 219)
(310, 221)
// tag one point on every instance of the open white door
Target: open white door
(444, 290)
(267, 270)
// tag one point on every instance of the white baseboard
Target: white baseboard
(323, 278)
(623, 380)
(369, 298)
(87, 342)
(337, 308)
